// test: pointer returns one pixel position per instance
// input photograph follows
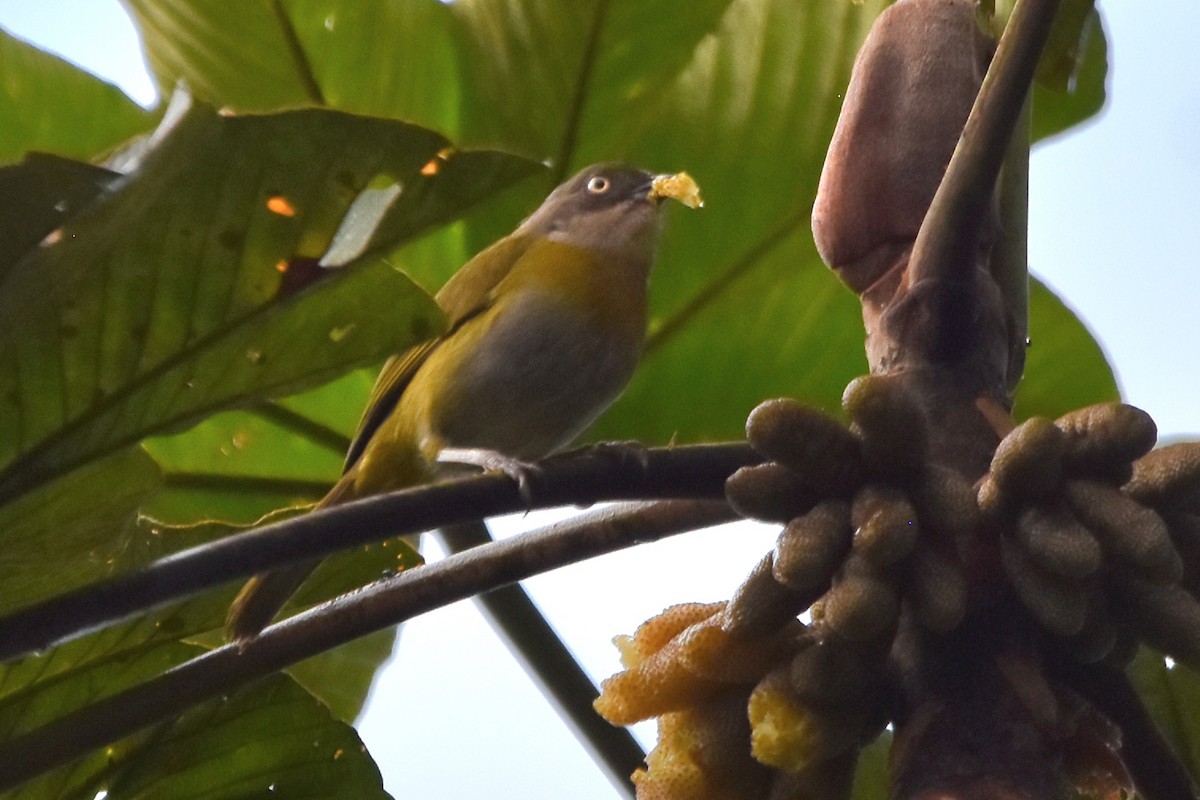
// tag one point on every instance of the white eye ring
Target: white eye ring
(598, 185)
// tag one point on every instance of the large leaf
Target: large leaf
(38, 195)
(392, 59)
(239, 55)
(1071, 77)
(271, 740)
(82, 524)
(1065, 368)
(42, 687)
(1171, 693)
(174, 298)
(49, 104)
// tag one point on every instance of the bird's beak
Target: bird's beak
(679, 186)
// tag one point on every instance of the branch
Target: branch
(544, 655)
(949, 235)
(546, 658)
(1009, 265)
(580, 478)
(1157, 772)
(378, 606)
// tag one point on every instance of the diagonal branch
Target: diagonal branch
(950, 232)
(580, 478)
(1157, 771)
(343, 619)
(544, 655)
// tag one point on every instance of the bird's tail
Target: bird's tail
(265, 594)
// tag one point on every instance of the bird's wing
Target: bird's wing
(467, 294)
(470, 290)
(396, 374)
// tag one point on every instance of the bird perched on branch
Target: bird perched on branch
(546, 327)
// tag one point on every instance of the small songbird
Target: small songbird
(546, 327)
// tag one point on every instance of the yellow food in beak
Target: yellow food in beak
(679, 186)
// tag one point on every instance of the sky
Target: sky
(1115, 230)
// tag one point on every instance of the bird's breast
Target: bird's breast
(528, 378)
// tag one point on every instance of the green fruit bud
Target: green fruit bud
(768, 492)
(811, 547)
(1104, 439)
(1057, 604)
(886, 527)
(1128, 531)
(1057, 542)
(818, 448)
(939, 590)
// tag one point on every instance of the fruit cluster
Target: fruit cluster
(1100, 535)
(1096, 537)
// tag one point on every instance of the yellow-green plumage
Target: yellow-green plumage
(545, 329)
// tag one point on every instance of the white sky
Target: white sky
(1115, 230)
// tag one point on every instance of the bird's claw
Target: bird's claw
(523, 472)
(624, 452)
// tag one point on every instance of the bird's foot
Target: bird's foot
(523, 472)
(623, 452)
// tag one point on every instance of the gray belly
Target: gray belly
(553, 380)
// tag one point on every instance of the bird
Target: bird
(545, 329)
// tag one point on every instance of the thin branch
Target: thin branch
(378, 606)
(523, 627)
(1157, 772)
(1009, 265)
(531, 638)
(580, 478)
(949, 234)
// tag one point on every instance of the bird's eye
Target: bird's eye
(598, 185)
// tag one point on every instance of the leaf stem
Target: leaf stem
(949, 234)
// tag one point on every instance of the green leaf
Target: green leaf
(871, 778)
(38, 195)
(397, 60)
(341, 679)
(1071, 86)
(270, 740)
(406, 50)
(49, 104)
(237, 55)
(82, 524)
(1171, 695)
(1065, 368)
(177, 279)
(582, 70)
(42, 687)
(64, 684)
(803, 340)
(239, 465)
